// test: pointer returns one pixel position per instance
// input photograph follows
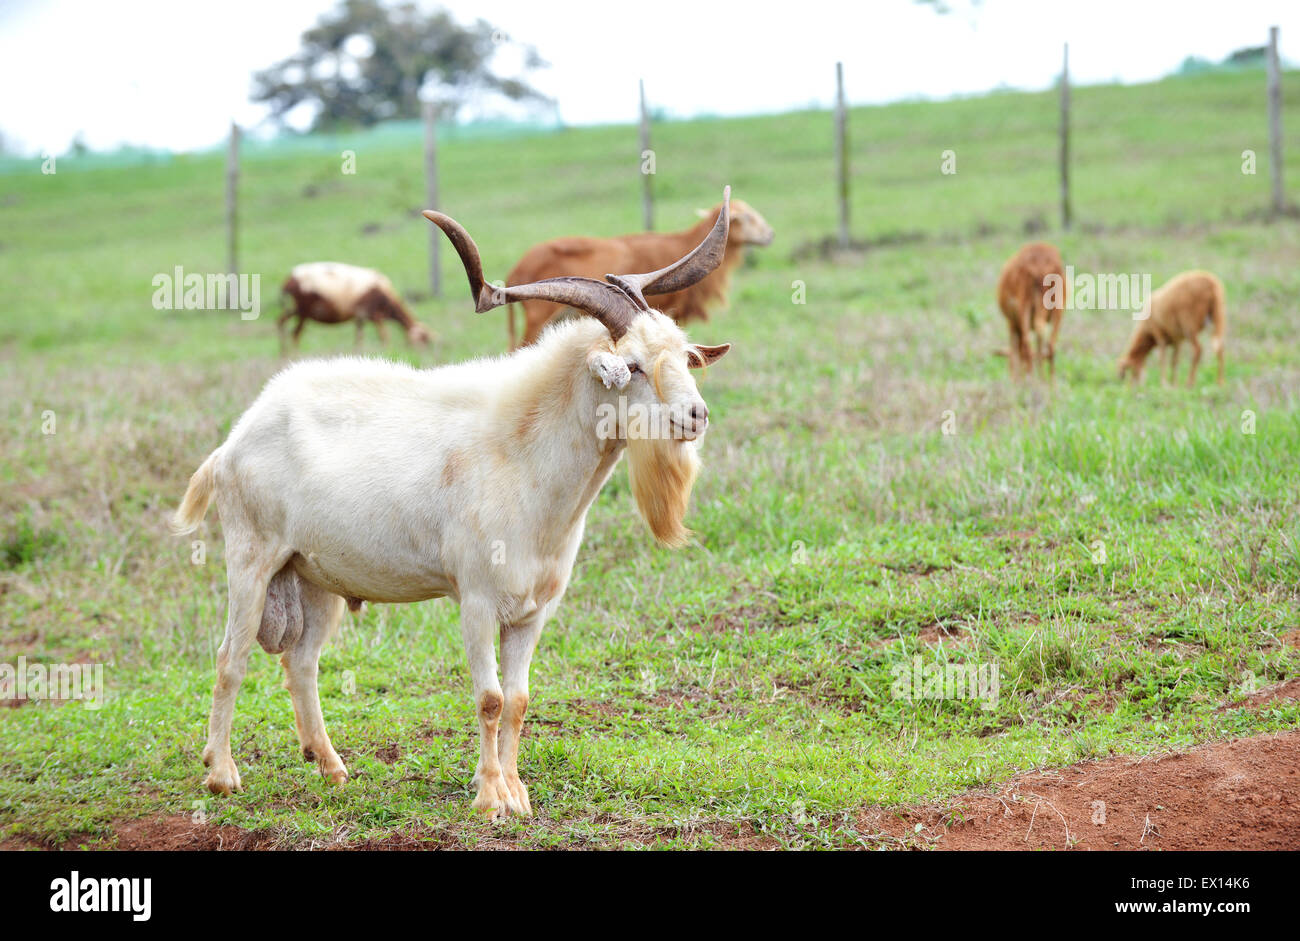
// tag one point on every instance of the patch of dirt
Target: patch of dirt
(726, 836)
(676, 698)
(13, 844)
(916, 569)
(174, 832)
(1278, 692)
(429, 732)
(402, 842)
(389, 753)
(937, 633)
(180, 832)
(737, 620)
(1242, 794)
(932, 635)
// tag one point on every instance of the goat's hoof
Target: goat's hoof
(517, 802)
(337, 777)
(224, 778)
(493, 798)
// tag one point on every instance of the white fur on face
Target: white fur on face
(663, 459)
(661, 379)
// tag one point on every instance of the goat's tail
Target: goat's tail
(1218, 317)
(197, 497)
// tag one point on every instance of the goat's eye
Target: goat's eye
(633, 368)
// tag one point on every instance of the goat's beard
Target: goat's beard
(662, 472)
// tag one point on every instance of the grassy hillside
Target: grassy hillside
(1129, 561)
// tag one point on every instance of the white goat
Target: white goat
(365, 480)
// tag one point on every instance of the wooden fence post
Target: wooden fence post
(232, 200)
(842, 154)
(647, 191)
(1065, 139)
(1275, 120)
(431, 194)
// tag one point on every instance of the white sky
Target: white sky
(173, 74)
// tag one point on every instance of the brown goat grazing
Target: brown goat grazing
(1033, 301)
(584, 257)
(331, 292)
(1175, 312)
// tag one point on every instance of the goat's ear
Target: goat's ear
(698, 356)
(609, 369)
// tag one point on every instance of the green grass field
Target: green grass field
(1129, 561)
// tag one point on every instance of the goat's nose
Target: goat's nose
(699, 412)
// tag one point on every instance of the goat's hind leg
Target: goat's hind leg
(249, 568)
(321, 613)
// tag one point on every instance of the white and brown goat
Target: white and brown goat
(332, 292)
(362, 480)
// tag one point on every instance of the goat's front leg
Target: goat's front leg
(1013, 350)
(280, 328)
(1196, 359)
(518, 641)
(478, 623)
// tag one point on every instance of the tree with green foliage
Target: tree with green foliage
(366, 62)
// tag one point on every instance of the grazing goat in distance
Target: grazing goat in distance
(1031, 306)
(1178, 311)
(332, 292)
(361, 480)
(592, 257)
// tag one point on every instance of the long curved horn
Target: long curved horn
(687, 270)
(607, 303)
(615, 302)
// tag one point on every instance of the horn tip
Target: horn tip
(431, 215)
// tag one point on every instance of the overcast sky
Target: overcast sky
(172, 73)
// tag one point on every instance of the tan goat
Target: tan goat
(1178, 311)
(1031, 306)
